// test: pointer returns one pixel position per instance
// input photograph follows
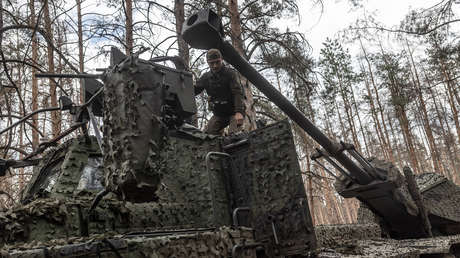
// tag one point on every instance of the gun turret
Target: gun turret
(142, 100)
(203, 30)
(379, 186)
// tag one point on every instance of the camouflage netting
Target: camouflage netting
(133, 132)
(23, 223)
(445, 247)
(329, 236)
(47, 218)
(440, 196)
(364, 240)
(195, 243)
(193, 194)
(401, 193)
(266, 177)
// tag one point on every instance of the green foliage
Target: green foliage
(335, 65)
(395, 76)
(427, 20)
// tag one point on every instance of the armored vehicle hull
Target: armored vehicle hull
(220, 195)
(206, 207)
(154, 187)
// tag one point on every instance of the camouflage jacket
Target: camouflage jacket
(225, 91)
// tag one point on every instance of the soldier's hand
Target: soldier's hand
(239, 118)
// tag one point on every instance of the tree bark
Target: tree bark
(305, 142)
(355, 105)
(450, 138)
(179, 15)
(32, 22)
(451, 90)
(451, 98)
(401, 114)
(310, 195)
(375, 118)
(237, 42)
(342, 125)
(446, 136)
(425, 119)
(404, 122)
(380, 107)
(81, 59)
(395, 143)
(348, 113)
(235, 26)
(22, 132)
(451, 153)
(129, 26)
(55, 115)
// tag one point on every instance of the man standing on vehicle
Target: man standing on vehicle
(224, 91)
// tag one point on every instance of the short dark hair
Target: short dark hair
(213, 53)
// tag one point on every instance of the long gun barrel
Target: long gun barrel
(376, 183)
(203, 30)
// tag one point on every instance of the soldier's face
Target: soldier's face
(215, 64)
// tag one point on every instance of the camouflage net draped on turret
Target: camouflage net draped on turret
(133, 132)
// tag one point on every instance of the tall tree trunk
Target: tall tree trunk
(237, 41)
(32, 22)
(424, 154)
(180, 18)
(307, 146)
(453, 106)
(375, 118)
(425, 119)
(355, 105)
(404, 122)
(310, 194)
(21, 89)
(395, 143)
(348, 110)
(382, 118)
(235, 26)
(129, 26)
(81, 59)
(219, 6)
(319, 206)
(328, 128)
(446, 136)
(183, 49)
(311, 115)
(400, 109)
(55, 115)
(342, 125)
(451, 90)
(450, 140)
(331, 199)
(305, 143)
(380, 107)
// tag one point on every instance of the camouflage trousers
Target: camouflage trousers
(217, 124)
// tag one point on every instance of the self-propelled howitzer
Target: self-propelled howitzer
(151, 186)
(377, 184)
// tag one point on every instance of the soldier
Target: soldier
(224, 91)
